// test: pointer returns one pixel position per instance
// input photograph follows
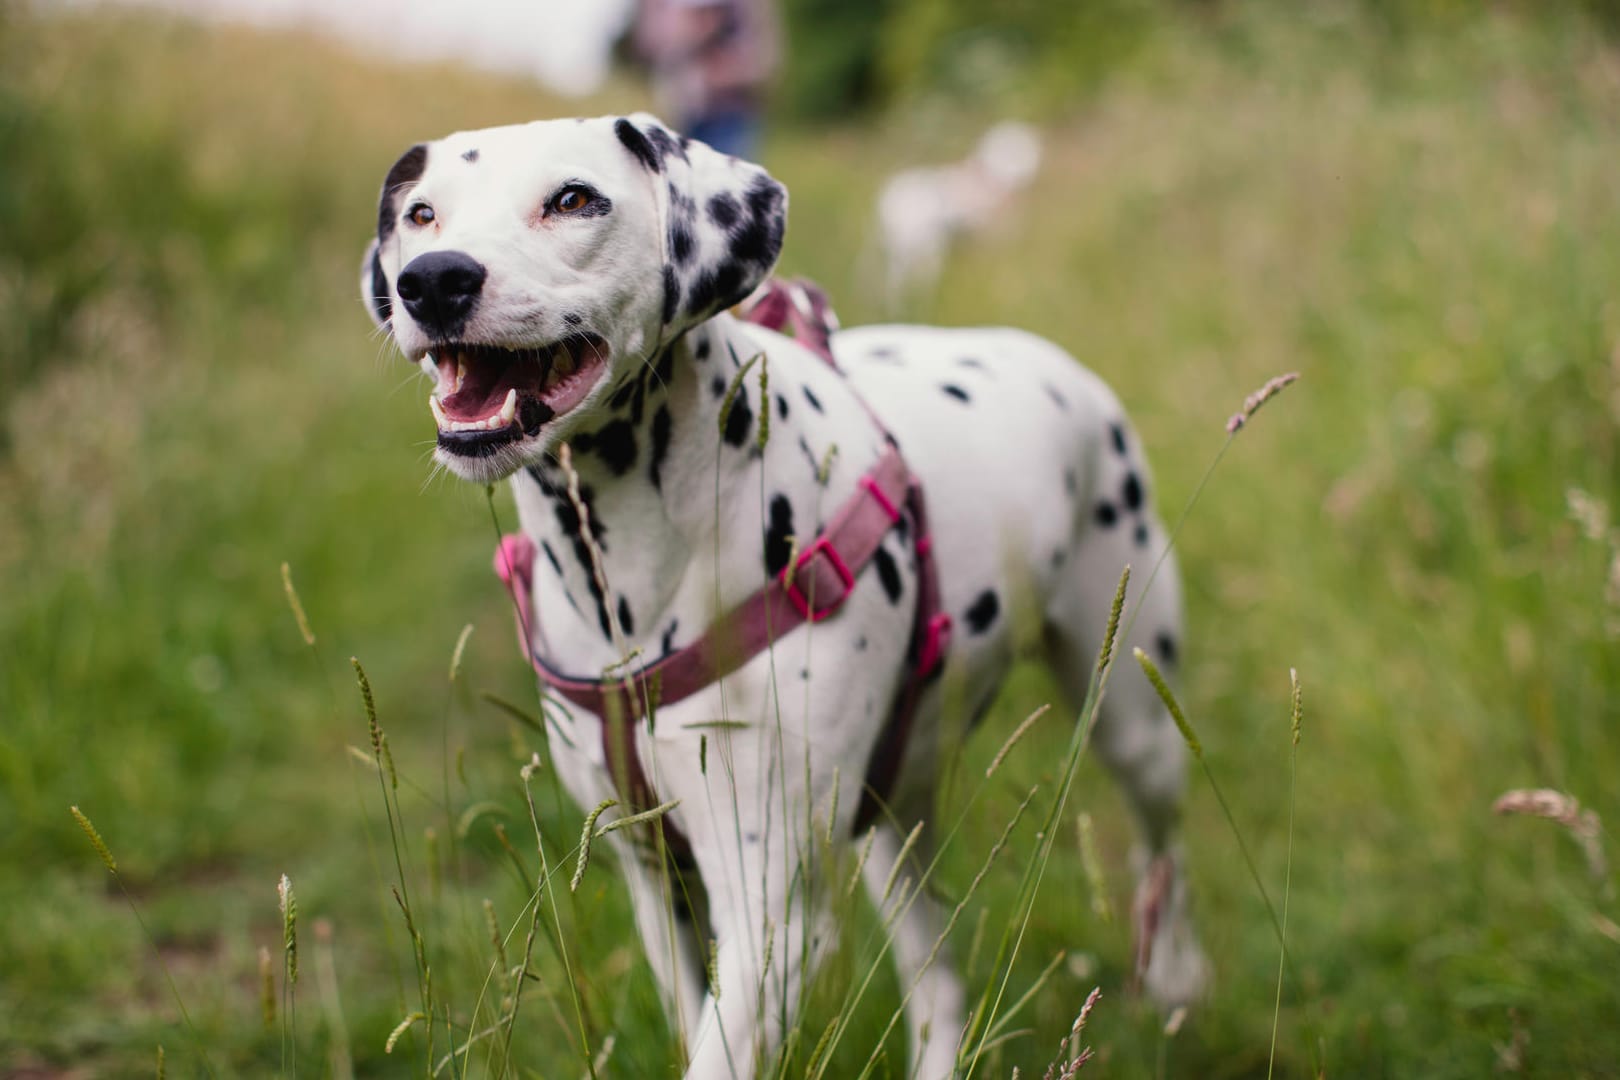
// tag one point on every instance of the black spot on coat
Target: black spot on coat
(779, 535)
(1106, 515)
(470, 156)
(724, 210)
(815, 403)
(661, 424)
(1132, 492)
(983, 612)
(1166, 646)
(740, 420)
(1057, 399)
(672, 293)
(781, 407)
(626, 622)
(888, 574)
(616, 446)
(956, 392)
(1118, 434)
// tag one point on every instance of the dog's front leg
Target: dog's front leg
(672, 943)
(757, 883)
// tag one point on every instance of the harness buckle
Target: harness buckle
(822, 586)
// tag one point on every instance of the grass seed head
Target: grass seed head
(1252, 403)
(1152, 671)
(459, 650)
(95, 838)
(267, 988)
(371, 707)
(288, 903)
(296, 605)
(1106, 657)
(1297, 704)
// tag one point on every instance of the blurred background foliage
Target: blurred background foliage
(1415, 204)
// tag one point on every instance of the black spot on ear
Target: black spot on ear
(717, 386)
(664, 143)
(635, 142)
(815, 403)
(551, 557)
(740, 420)
(956, 392)
(1166, 646)
(407, 170)
(668, 642)
(779, 535)
(626, 623)
(983, 612)
(781, 407)
(470, 156)
(723, 210)
(660, 445)
(616, 446)
(382, 306)
(1106, 515)
(1118, 434)
(672, 293)
(1132, 492)
(1141, 534)
(888, 574)
(1057, 399)
(572, 319)
(715, 289)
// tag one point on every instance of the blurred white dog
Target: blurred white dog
(920, 210)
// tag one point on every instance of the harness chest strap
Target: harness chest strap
(809, 590)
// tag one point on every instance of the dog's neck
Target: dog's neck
(661, 483)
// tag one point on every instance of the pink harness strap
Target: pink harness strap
(809, 590)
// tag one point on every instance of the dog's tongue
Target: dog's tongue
(486, 380)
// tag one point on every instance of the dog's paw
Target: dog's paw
(1170, 964)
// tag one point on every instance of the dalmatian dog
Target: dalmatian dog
(920, 211)
(567, 283)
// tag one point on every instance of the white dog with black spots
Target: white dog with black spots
(569, 282)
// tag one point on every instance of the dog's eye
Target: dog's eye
(420, 214)
(570, 201)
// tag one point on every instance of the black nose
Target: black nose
(440, 290)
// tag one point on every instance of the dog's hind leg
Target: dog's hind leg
(934, 997)
(1134, 736)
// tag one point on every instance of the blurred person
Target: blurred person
(712, 61)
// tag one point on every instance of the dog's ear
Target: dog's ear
(375, 289)
(723, 220)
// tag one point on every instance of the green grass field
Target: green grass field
(1427, 227)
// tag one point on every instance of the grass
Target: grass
(1426, 228)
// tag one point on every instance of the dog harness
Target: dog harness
(811, 588)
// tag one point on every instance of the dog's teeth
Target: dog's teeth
(438, 412)
(508, 409)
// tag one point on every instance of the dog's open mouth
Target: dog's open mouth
(488, 396)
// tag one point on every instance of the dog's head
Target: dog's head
(529, 269)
